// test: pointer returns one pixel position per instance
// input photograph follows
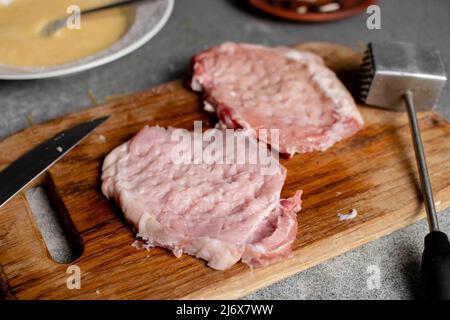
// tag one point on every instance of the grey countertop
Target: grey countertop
(197, 24)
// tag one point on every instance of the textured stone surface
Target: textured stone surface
(197, 24)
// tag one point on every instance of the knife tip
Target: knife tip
(100, 120)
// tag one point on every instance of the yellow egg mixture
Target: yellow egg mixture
(22, 44)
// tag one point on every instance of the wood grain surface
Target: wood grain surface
(373, 172)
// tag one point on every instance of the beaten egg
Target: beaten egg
(22, 43)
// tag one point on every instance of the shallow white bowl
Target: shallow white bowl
(149, 20)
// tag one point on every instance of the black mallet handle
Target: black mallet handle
(436, 266)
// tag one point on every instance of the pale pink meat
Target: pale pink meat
(257, 87)
(222, 213)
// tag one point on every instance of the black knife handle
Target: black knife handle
(436, 266)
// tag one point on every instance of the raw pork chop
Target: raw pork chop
(221, 213)
(256, 87)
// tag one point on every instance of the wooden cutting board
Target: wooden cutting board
(373, 172)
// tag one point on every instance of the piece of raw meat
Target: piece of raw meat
(257, 87)
(218, 212)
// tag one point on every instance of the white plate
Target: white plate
(149, 20)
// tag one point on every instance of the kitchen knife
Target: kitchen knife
(31, 165)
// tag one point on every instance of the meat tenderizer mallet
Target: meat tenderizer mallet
(395, 75)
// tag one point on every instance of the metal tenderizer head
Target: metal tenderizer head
(391, 69)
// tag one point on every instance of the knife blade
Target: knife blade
(31, 165)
